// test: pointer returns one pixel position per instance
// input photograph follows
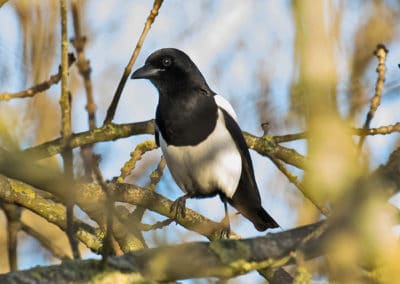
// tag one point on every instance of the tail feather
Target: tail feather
(255, 213)
(262, 220)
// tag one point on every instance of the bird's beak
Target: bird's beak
(146, 72)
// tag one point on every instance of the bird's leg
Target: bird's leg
(179, 206)
(226, 224)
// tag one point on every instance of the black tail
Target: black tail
(262, 220)
(247, 198)
(254, 212)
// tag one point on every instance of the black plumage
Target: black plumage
(203, 145)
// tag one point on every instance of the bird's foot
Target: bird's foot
(225, 228)
(179, 206)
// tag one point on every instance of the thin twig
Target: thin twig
(41, 87)
(84, 69)
(294, 179)
(66, 130)
(136, 155)
(157, 174)
(155, 226)
(290, 137)
(383, 130)
(150, 19)
(380, 53)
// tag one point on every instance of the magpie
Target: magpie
(200, 138)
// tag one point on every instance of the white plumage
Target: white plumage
(224, 104)
(213, 163)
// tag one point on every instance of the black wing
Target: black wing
(247, 197)
(157, 136)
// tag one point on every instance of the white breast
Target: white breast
(215, 163)
(224, 104)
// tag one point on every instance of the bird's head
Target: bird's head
(170, 70)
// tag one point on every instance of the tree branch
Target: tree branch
(108, 132)
(41, 87)
(380, 53)
(222, 258)
(150, 19)
(16, 192)
(66, 129)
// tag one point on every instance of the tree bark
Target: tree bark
(222, 259)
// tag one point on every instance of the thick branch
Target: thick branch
(91, 194)
(108, 132)
(265, 146)
(223, 258)
(16, 192)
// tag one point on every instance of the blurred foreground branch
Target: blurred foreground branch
(222, 258)
(66, 130)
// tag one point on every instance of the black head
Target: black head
(171, 70)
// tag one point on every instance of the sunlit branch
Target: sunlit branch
(156, 175)
(108, 132)
(66, 128)
(380, 53)
(290, 137)
(24, 195)
(383, 130)
(136, 155)
(266, 146)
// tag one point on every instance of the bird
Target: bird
(201, 140)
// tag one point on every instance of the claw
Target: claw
(179, 206)
(226, 228)
(225, 223)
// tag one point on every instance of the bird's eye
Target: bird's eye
(166, 61)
